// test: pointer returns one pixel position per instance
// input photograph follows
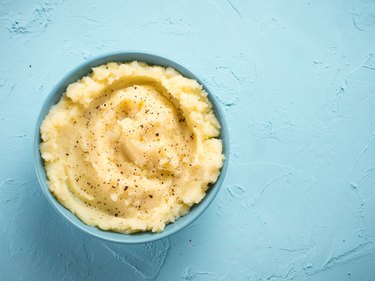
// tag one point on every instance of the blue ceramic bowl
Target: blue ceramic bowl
(54, 97)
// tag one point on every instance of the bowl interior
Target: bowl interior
(54, 98)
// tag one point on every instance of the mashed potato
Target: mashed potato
(131, 147)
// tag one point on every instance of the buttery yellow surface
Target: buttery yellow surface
(131, 147)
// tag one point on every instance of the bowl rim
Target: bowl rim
(108, 235)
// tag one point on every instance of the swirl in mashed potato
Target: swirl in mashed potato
(131, 147)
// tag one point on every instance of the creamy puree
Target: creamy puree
(131, 147)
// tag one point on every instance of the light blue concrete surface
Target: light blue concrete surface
(297, 80)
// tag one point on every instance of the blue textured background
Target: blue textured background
(297, 82)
